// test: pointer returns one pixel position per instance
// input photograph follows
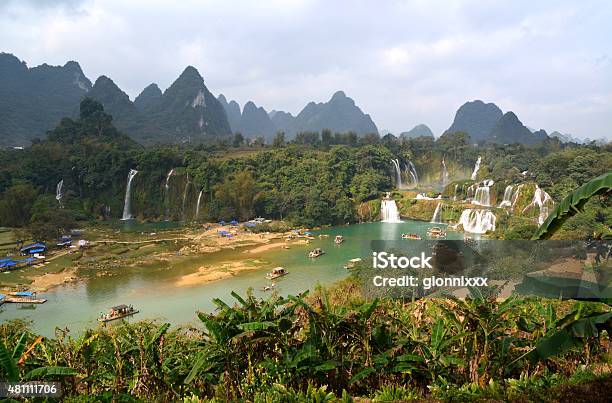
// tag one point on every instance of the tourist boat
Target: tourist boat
(411, 236)
(276, 273)
(351, 263)
(339, 239)
(315, 252)
(436, 232)
(24, 297)
(118, 312)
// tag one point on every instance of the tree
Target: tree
(279, 139)
(16, 205)
(238, 140)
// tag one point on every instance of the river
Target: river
(153, 291)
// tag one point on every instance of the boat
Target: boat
(436, 232)
(118, 312)
(316, 253)
(351, 263)
(276, 273)
(411, 236)
(24, 297)
(339, 239)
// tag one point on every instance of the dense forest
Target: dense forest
(317, 178)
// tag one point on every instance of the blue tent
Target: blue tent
(234, 222)
(10, 263)
(222, 222)
(36, 247)
(250, 224)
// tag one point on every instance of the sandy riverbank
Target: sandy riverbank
(49, 280)
(220, 271)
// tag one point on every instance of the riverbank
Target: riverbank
(110, 249)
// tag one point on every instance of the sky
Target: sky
(403, 62)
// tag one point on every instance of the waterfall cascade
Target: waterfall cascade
(59, 192)
(507, 201)
(543, 201)
(476, 168)
(197, 213)
(437, 215)
(389, 211)
(398, 173)
(482, 196)
(168, 179)
(413, 173)
(516, 194)
(455, 192)
(477, 221)
(185, 191)
(127, 212)
(444, 175)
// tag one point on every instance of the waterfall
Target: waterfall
(413, 173)
(444, 177)
(470, 191)
(197, 213)
(398, 173)
(516, 194)
(185, 191)
(482, 196)
(476, 168)
(127, 213)
(455, 192)
(543, 201)
(477, 221)
(58, 192)
(507, 202)
(437, 215)
(389, 211)
(168, 179)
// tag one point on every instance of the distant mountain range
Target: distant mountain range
(339, 114)
(33, 100)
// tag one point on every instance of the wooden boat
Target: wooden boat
(436, 232)
(276, 273)
(24, 297)
(411, 236)
(118, 312)
(268, 287)
(339, 239)
(316, 253)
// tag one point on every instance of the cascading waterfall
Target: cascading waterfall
(185, 191)
(398, 173)
(58, 192)
(197, 213)
(389, 211)
(482, 196)
(543, 201)
(413, 173)
(168, 179)
(437, 215)
(516, 194)
(127, 213)
(470, 191)
(507, 201)
(455, 192)
(477, 221)
(444, 176)
(476, 168)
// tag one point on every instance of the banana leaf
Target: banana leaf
(572, 204)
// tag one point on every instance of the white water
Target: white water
(398, 173)
(482, 196)
(413, 173)
(58, 192)
(127, 213)
(437, 215)
(543, 202)
(389, 211)
(198, 204)
(476, 168)
(516, 194)
(477, 221)
(185, 191)
(507, 201)
(168, 179)
(444, 178)
(455, 192)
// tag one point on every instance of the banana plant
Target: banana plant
(572, 204)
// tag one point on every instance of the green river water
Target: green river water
(152, 290)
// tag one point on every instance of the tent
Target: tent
(234, 222)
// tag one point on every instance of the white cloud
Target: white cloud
(404, 62)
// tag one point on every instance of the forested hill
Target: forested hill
(33, 100)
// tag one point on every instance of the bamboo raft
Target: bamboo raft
(24, 300)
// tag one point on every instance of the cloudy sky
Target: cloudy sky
(404, 62)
